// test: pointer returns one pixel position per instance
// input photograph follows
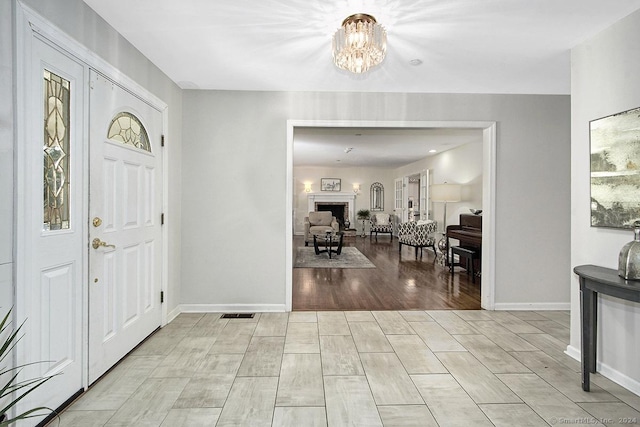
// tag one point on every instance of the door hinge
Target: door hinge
(162, 140)
(161, 297)
(162, 219)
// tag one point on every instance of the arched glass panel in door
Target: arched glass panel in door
(127, 129)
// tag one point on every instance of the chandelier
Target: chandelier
(359, 44)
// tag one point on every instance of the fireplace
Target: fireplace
(342, 205)
(338, 209)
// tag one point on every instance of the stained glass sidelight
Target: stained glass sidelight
(56, 152)
(126, 128)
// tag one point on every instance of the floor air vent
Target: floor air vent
(237, 316)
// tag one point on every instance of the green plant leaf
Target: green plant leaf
(9, 384)
(31, 413)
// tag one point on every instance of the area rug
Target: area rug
(349, 258)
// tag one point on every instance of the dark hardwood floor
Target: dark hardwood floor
(399, 282)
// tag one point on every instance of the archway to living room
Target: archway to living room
(372, 287)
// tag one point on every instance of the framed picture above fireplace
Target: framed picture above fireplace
(330, 184)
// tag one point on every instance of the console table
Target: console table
(596, 280)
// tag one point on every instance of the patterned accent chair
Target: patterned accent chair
(381, 223)
(418, 234)
(319, 223)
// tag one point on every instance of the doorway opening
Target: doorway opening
(488, 131)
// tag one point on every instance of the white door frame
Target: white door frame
(30, 24)
(424, 194)
(489, 143)
(398, 201)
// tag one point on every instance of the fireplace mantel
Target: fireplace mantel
(326, 197)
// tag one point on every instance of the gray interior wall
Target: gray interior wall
(604, 80)
(234, 189)
(6, 156)
(79, 21)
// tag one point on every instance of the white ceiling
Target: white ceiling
(466, 46)
(375, 147)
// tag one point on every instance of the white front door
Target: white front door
(51, 225)
(125, 237)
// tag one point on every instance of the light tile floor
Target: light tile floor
(394, 368)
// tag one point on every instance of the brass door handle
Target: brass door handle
(97, 243)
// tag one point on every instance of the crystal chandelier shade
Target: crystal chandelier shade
(361, 43)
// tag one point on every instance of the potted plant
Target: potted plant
(12, 390)
(363, 214)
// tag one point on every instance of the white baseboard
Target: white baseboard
(526, 306)
(573, 352)
(608, 372)
(173, 314)
(231, 308)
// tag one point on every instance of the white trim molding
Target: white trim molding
(232, 308)
(173, 314)
(537, 306)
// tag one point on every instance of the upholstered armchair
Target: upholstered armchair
(319, 223)
(418, 234)
(381, 223)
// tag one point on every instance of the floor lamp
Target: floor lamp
(445, 193)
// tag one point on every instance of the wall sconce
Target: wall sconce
(356, 188)
(307, 187)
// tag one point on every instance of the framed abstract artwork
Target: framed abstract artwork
(330, 184)
(615, 169)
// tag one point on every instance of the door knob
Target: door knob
(97, 243)
(97, 222)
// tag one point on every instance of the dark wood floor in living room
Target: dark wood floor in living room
(399, 281)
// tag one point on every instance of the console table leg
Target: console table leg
(586, 326)
(593, 339)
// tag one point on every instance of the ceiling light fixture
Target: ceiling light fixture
(361, 43)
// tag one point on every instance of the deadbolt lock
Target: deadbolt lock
(97, 222)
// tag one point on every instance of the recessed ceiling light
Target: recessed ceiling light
(433, 151)
(415, 62)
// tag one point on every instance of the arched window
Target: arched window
(127, 129)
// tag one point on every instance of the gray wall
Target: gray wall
(604, 80)
(234, 171)
(79, 21)
(6, 156)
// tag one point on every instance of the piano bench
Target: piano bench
(469, 255)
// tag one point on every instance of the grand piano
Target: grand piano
(468, 233)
